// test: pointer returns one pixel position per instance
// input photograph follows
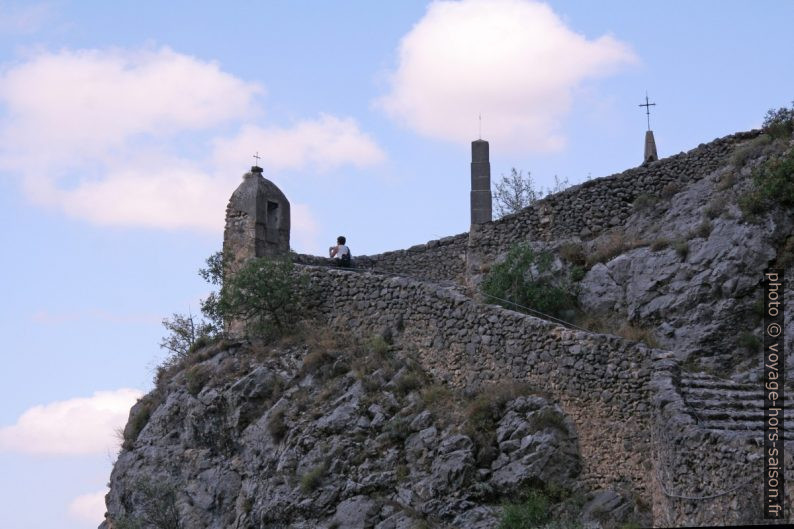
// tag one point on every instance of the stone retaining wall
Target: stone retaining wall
(693, 462)
(601, 381)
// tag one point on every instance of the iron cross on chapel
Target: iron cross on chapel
(648, 106)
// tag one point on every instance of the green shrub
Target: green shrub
(749, 341)
(682, 248)
(408, 382)
(637, 334)
(265, 294)
(126, 522)
(752, 149)
(530, 512)
(573, 253)
(669, 190)
(401, 473)
(785, 255)
(644, 201)
(436, 394)
(727, 181)
(524, 281)
(483, 413)
(398, 429)
(773, 184)
(751, 203)
(315, 359)
(378, 344)
(715, 207)
(442, 402)
(311, 480)
(659, 244)
(277, 426)
(156, 500)
(779, 123)
(703, 229)
(548, 418)
(758, 307)
(577, 273)
(611, 246)
(139, 417)
(775, 179)
(195, 379)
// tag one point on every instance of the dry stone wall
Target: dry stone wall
(583, 211)
(438, 260)
(587, 209)
(600, 380)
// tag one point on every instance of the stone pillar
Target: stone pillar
(257, 221)
(650, 148)
(480, 183)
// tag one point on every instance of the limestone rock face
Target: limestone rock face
(693, 274)
(272, 440)
(257, 221)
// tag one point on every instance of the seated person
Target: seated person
(340, 253)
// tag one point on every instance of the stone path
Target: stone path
(719, 404)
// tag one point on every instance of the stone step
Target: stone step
(717, 383)
(739, 415)
(730, 394)
(755, 406)
(742, 426)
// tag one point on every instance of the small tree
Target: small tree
(213, 274)
(516, 192)
(184, 333)
(266, 294)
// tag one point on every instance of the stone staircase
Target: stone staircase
(720, 404)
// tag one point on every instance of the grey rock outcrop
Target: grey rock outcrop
(293, 437)
(691, 272)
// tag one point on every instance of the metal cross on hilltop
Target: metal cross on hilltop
(256, 156)
(648, 106)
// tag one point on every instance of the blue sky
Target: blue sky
(125, 126)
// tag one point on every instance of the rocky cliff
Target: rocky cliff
(332, 432)
(409, 402)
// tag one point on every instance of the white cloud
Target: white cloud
(89, 508)
(74, 104)
(321, 144)
(71, 427)
(142, 138)
(514, 61)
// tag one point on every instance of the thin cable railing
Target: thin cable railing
(543, 315)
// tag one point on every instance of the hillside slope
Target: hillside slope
(328, 432)
(407, 404)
